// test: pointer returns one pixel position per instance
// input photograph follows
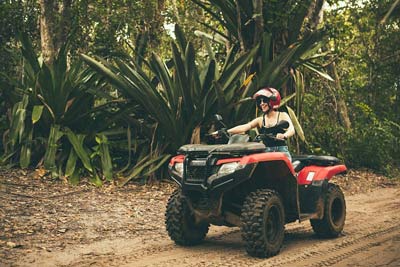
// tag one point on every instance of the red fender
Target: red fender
(317, 173)
(178, 158)
(267, 156)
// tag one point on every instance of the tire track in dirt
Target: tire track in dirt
(150, 253)
(328, 255)
(324, 252)
(372, 219)
(220, 245)
(360, 235)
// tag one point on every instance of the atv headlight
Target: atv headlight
(228, 168)
(179, 168)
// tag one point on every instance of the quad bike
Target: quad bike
(239, 184)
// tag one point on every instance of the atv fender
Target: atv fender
(275, 171)
(313, 185)
(316, 174)
(268, 156)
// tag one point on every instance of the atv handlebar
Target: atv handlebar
(261, 137)
(221, 133)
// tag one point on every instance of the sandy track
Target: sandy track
(371, 238)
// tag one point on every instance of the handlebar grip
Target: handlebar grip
(261, 137)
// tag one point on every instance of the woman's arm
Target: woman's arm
(290, 130)
(245, 127)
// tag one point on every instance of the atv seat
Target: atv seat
(240, 148)
(299, 162)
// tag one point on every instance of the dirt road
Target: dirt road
(125, 227)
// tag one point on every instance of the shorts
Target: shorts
(283, 149)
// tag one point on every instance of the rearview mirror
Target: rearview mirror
(219, 119)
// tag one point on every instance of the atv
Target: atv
(239, 184)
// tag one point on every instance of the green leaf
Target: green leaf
(232, 72)
(74, 178)
(321, 73)
(106, 162)
(29, 52)
(182, 80)
(296, 124)
(285, 100)
(26, 151)
(162, 160)
(142, 165)
(180, 37)
(71, 163)
(129, 138)
(77, 143)
(105, 71)
(17, 127)
(216, 37)
(95, 179)
(7, 156)
(37, 113)
(265, 49)
(52, 147)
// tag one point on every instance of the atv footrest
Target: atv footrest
(307, 216)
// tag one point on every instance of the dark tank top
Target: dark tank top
(274, 130)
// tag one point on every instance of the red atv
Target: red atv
(239, 184)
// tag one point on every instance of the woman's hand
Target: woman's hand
(281, 136)
(220, 133)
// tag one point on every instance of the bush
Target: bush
(373, 142)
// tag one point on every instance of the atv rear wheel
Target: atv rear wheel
(331, 225)
(180, 222)
(263, 220)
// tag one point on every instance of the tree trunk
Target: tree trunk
(397, 105)
(258, 19)
(55, 23)
(157, 22)
(153, 21)
(342, 112)
(195, 139)
(65, 23)
(315, 17)
(239, 22)
(47, 30)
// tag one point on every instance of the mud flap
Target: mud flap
(312, 199)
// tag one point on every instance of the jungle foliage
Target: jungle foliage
(124, 91)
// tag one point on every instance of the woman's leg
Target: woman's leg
(285, 150)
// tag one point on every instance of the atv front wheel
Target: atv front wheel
(331, 225)
(180, 222)
(263, 220)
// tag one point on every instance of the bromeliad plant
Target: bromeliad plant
(53, 118)
(177, 99)
(286, 48)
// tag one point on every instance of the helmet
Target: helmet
(273, 95)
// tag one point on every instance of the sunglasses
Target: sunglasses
(262, 99)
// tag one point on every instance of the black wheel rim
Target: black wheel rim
(272, 224)
(189, 218)
(337, 211)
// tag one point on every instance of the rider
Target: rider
(268, 100)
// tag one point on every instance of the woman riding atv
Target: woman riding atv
(268, 100)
